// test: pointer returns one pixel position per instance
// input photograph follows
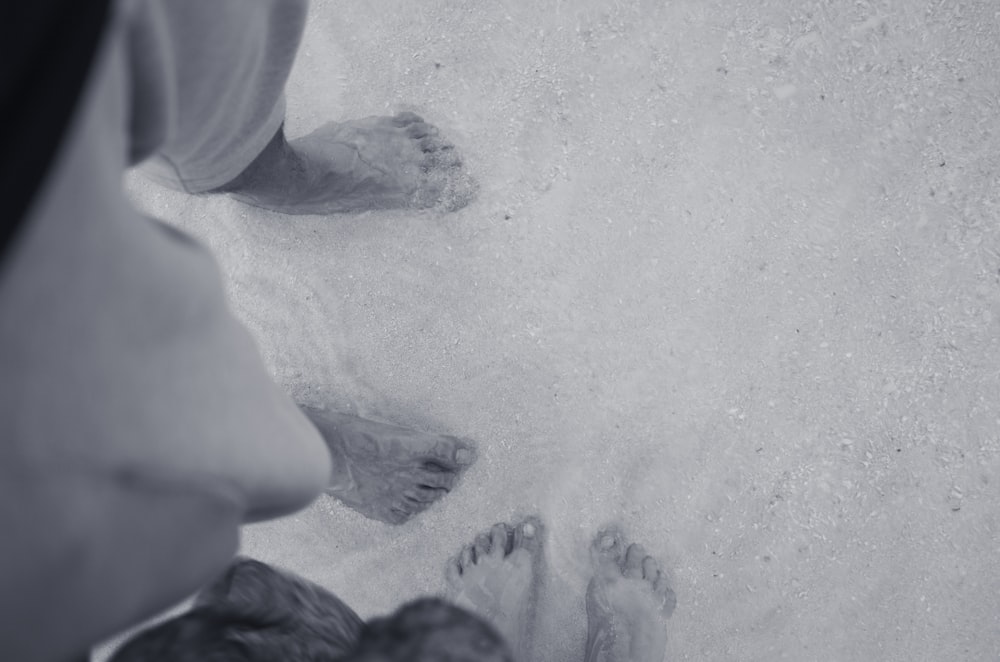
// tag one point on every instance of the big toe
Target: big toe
(633, 561)
(528, 535)
(448, 454)
(441, 465)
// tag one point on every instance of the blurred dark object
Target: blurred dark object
(47, 49)
(256, 613)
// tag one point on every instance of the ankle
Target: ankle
(277, 167)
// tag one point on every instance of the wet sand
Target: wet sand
(732, 278)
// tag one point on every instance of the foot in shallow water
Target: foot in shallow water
(371, 163)
(387, 472)
(627, 601)
(497, 578)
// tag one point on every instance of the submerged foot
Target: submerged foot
(370, 163)
(627, 601)
(497, 576)
(387, 472)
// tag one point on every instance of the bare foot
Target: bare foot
(371, 163)
(627, 601)
(496, 577)
(387, 472)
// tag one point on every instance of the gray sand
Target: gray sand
(733, 278)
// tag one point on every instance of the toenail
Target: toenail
(607, 542)
(529, 530)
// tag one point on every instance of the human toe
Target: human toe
(398, 514)
(483, 545)
(668, 599)
(527, 535)
(421, 130)
(432, 143)
(449, 453)
(633, 561)
(650, 569)
(419, 496)
(453, 570)
(429, 144)
(427, 493)
(467, 558)
(440, 158)
(438, 479)
(502, 539)
(409, 506)
(405, 118)
(608, 546)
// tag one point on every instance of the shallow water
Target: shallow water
(732, 278)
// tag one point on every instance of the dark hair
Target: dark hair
(256, 613)
(430, 630)
(200, 635)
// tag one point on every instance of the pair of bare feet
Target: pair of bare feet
(390, 474)
(628, 596)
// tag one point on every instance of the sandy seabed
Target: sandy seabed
(732, 279)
